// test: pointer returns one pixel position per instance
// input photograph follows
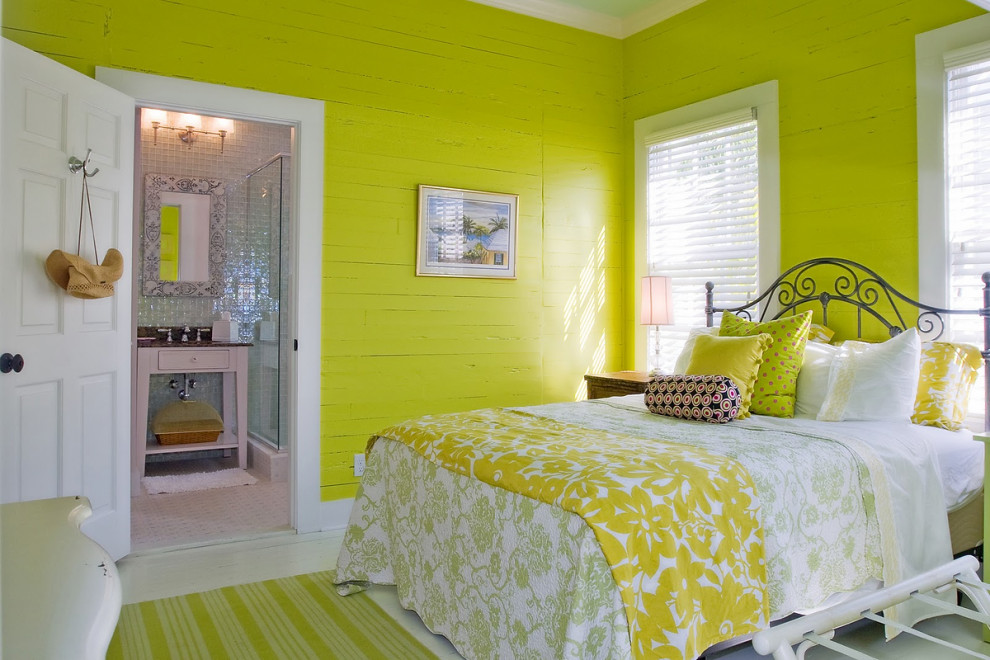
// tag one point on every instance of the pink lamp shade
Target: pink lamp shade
(657, 306)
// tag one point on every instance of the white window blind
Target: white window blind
(702, 221)
(967, 138)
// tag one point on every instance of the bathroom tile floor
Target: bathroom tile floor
(206, 516)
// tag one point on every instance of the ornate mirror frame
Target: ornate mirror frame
(154, 186)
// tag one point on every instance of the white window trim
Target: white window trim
(763, 97)
(933, 249)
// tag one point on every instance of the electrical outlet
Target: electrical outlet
(358, 465)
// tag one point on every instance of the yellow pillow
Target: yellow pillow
(948, 372)
(776, 382)
(738, 358)
(820, 333)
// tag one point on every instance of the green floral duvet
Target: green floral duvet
(502, 575)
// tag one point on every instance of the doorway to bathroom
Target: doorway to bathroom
(306, 118)
(190, 492)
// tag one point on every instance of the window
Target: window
(967, 182)
(707, 208)
(953, 69)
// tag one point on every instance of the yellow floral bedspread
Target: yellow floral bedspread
(679, 526)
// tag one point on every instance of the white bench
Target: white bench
(61, 592)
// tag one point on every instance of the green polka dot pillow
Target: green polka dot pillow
(776, 382)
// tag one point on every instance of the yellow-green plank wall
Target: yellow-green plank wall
(848, 146)
(439, 92)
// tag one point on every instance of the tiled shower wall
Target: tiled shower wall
(256, 263)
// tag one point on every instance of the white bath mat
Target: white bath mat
(182, 483)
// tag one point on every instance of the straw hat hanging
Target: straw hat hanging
(72, 272)
(83, 279)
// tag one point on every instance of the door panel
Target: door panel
(97, 395)
(103, 136)
(41, 117)
(31, 460)
(69, 409)
(99, 315)
(40, 225)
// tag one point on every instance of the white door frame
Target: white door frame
(307, 118)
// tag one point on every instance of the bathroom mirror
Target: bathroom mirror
(185, 220)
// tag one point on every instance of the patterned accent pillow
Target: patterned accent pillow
(948, 372)
(776, 381)
(714, 399)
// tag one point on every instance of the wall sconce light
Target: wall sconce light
(189, 126)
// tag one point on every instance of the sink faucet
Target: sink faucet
(185, 333)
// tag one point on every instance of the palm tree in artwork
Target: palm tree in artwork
(471, 228)
(497, 223)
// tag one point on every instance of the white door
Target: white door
(65, 417)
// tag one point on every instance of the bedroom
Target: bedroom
(458, 94)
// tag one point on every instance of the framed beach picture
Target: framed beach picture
(466, 233)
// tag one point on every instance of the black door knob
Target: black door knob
(10, 363)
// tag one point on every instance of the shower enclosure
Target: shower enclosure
(261, 294)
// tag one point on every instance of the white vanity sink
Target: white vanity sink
(160, 357)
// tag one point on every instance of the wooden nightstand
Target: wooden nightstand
(617, 383)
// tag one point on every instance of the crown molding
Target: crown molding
(593, 21)
(659, 12)
(558, 12)
(610, 26)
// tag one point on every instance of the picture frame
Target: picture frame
(466, 233)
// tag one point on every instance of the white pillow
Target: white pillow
(684, 358)
(874, 382)
(812, 380)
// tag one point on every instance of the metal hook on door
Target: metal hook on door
(75, 165)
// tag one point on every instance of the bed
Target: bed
(600, 529)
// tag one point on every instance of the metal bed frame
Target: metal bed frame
(819, 283)
(818, 629)
(816, 284)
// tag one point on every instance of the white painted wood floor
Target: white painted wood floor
(160, 574)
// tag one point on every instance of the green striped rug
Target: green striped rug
(297, 617)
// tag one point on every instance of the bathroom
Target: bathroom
(250, 279)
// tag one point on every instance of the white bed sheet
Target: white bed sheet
(960, 463)
(960, 458)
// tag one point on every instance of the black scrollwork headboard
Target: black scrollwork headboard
(819, 283)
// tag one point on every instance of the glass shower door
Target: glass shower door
(268, 232)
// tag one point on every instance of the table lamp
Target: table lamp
(656, 306)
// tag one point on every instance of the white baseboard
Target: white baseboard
(335, 514)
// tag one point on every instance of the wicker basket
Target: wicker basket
(187, 422)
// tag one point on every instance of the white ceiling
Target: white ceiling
(613, 18)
